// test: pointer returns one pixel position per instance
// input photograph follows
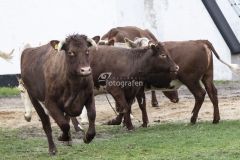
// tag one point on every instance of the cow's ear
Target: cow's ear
(111, 42)
(57, 45)
(96, 39)
(152, 47)
(128, 42)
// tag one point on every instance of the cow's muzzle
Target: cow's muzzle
(85, 71)
(175, 100)
(175, 69)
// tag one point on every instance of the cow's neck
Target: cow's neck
(138, 66)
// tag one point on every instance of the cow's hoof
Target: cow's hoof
(215, 121)
(193, 120)
(52, 153)
(61, 138)
(67, 143)
(131, 129)
(155, 104)
(85, 140)
(110, 122)
(144, 125)
(28, 119)
(113, 122)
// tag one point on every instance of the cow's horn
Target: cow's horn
(92, 42)
(60, 44)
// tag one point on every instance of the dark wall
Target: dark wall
(9, 80)
(222, 25)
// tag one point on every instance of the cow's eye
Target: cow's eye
(70, 53)
(163, 56)
(87, 52)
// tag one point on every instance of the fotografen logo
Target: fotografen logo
(120, 81)
(104, 76)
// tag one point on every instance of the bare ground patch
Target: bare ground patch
(12, 109)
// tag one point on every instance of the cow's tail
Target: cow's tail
(234, 67)
(7, 56)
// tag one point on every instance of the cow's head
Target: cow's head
(159, 59)
(138, 42)
(172, 95)
(75, 48)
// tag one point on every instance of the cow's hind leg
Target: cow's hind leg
(142, 104)
(46, 125)
(154, 101)
(76, 124)
(124, 108)
(212, 93)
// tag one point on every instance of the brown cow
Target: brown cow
(196, 64)
(118, 34)
(59, 83)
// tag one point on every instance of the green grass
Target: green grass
(224, 82)
(164, 141)
(7, 91)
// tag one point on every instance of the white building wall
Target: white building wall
(33, 19)
(169, 20)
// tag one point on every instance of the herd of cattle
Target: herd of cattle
(59, 78)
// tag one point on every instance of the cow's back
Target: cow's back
(108, 59)
(191, 56)
(119, 33)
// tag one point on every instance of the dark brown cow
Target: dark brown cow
(59, 83)
(195, 64)
(127, 65)
(119, 34)
(124, 66)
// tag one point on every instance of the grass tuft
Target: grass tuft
(7, 91)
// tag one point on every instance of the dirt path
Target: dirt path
(12, 109)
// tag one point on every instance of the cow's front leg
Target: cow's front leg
(124, 107)
(91, 113)
(61, 120)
